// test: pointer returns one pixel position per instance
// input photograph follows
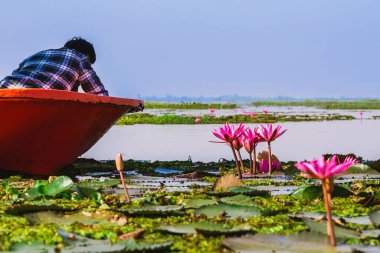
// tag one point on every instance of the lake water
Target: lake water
(303, 140)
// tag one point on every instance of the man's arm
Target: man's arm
(90, 81)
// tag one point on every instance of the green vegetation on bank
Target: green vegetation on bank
(145, 118)
(189, 105)
(325, 104)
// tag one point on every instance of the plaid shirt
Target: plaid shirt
(60, 69)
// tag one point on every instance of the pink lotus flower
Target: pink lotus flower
(212, 111)
(238, 143)
(264, 166)
(323, 169)
(267, 133)
(228, 133)
(197, 120)
(252, 114)
(361, 114)
(265, 111)
(250, 141)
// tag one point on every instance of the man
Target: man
(65, 68)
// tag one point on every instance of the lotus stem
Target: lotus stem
(124, 186)
(236, 161)
(330, 225)
(251, 163)
(269, 159)
(241, 162)
(254, 160)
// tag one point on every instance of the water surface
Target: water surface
(303, 140)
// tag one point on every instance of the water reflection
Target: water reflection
(303, 140)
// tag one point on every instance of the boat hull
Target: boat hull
(45, 130)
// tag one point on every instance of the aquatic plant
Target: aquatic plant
(119, 166)
(238, 144)
(212, 111)
(228, 134)
(269, 134)
(325, 171)
(251, 139)
(197, 120)
(265, 111)
(145, 118)
(325, 104)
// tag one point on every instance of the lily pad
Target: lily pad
(206, 228)
(375, 233)
(375, 217)
(240, 199)
(311, 192)
(236, 190)
(49, 217)
(39, 206)
(35, 247)
(153, 210)
(305, 242)
(195, 203)
(85, 245)
(59, 185)
(42, 188)
(321, 227)
(89, 188)
(229, 211)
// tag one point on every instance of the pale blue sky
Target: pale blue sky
(298, 48)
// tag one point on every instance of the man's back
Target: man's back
(62, 69)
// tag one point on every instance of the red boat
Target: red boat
(45, 130)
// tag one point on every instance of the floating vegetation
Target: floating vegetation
(64, 214)
(188, 106)
(93, 213)
(145, 118)
(325, 104)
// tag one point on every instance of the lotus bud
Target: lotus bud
(119, 162)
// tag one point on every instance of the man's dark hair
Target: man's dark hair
(82, 46)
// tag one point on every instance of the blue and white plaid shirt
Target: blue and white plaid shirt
(60, 69)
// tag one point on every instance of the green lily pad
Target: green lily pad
(206, 228)
(39, 206)
(241, 200)
(374, 233)
(85, 245)
(229, 211)
(236, 190)
(49, 217)
(153, 210)
(42, 188)
(311, 192)
(375, 217)
(134, 246)
(321, 227)
(35, 247)
(89, 188)
(195, 203)
(59, 185)
(304, 242)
